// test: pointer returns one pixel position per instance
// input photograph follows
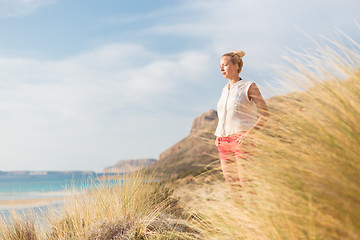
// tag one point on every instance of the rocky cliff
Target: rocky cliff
(193, 153)
(127, 166)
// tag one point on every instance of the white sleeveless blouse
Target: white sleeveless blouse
(235, 111)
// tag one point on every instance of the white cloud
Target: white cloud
(47, 104)
(125, 73)
(11, 8)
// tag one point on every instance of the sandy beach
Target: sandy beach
(29, 203)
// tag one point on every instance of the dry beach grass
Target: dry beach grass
(131, 208)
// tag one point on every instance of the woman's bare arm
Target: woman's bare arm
(255, 95)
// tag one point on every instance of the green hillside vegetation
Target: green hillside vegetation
(303, 177)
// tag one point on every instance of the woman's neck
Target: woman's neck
(233, 80)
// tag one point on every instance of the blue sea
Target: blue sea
(40, 185)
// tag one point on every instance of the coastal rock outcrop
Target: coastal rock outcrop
(206, 121)
(193, 153)
(127, 166)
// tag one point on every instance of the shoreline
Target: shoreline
(30, 203)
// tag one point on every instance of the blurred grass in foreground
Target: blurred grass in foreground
(137, 208)
(133, 207)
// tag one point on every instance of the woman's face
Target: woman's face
(228, 69)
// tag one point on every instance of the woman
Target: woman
(241, 111)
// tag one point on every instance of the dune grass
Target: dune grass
(136, 208)
(19, 226)
(131, 207)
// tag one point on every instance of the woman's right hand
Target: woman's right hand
(242, 138)
(216, 141)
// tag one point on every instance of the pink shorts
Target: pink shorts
(229, 148)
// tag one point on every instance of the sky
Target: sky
(84, 84)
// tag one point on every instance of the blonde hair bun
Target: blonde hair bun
(236, 58)
(241, 54)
